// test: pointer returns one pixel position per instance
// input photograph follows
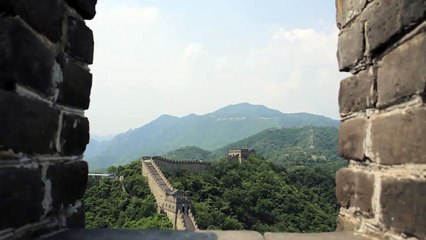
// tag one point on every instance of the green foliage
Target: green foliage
(258, 195)
(108, 206)
(189, 153)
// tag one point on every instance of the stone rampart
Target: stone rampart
(173, 166)
(45, 83)
(382, 107)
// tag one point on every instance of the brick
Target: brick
(387, 18)
(350, 47)
(400, 138)
(27, 125)
(28, 66)
(80, 40)
(74, 134)
(355, 189)
(69, 182)
(20, 202)
(403, 203)
(357, 93)
(352, 134)
(346, 10)
(347, 224)
(77, 219)
(75, 88)
(409, 78)
(35, 13)
(86, 8)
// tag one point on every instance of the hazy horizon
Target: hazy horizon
(178, 58)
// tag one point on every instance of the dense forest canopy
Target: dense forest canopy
(256, 195)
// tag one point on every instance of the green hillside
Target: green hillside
(289, 147)
(209, 131)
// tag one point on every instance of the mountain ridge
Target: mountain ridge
(209, 131)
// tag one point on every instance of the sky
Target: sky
(196, 56)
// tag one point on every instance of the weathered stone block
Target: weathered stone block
(404, 206)
(29, 66)
(86, 8)
(402, 71)
(75, 88)
(27, 126)
(357, 93)
(350, 47)
(346, 10)
(74, 134)
(21, 195)
(69, 182)
(387, 18)
(352, 134)
(354, 188)
(80, 40)
(45, 16)
(400, 138)
(347, 224)
(77, 219)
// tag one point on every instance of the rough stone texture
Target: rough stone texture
(77, 219)
(355, 189)
(69, 182)
(345, 224)
(387, 18)
(400, 138)
(350, 47)
(403, 205)
(27, 126)
(357, 93)
(31, 67)
(116, 234)
(21, 194)
(346, 10)
(409, 78)
(35, 13)
(80, 40)
(75, 87)
(314, 236)
(352, 134)
(86, 8)
(74, 134)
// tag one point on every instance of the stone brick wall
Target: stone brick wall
(45, 49)
(382, 107)
(173, 166)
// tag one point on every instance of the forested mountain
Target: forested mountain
(289, 147)
(261, 196)
(108, 206)
(256, 195)
(209, 131)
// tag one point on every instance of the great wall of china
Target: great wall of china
(169, 200)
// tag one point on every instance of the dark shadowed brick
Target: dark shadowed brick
(387, 18)
(77, 219)
(395, 83)
(27, 125)
(400, 138)
(86, 8)
(357, 93)
(80, 40)
(21, 195)
(74, 134)
(355, 189)
(28, 66)
(69, 182)
(75, 88)
(352, 134)
(45, 16)
(403, 205)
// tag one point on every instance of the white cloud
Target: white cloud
(144, 68)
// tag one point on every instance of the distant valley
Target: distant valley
(213, 132)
